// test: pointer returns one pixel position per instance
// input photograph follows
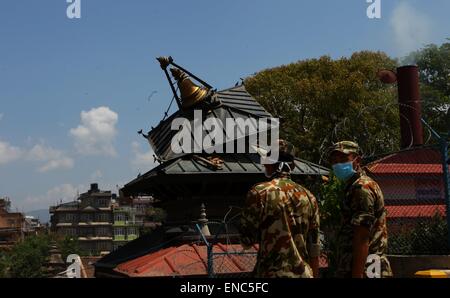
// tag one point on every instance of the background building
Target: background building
(125, 226)
(32, 226)
(11, 224)
(89, 219)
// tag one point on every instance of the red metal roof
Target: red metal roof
(411, 211)
(191, 260)
(414, 161)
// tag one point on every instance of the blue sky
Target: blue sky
(74, 92)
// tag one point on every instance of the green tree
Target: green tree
(330, 218)
(428, 236)
(323, 100)
(28, 258)
(4, 265)
(434, 65)
(68, 246)
(156, 214)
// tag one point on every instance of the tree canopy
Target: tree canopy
(434, 66)
(27, 258)
(322, 100)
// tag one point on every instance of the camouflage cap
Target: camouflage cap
(345, 147)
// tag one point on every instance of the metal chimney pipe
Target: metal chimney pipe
(409, 106)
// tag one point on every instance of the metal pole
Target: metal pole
(191, 75)
(210, 261)
(178, 100)
(444, 148)
(209, 252)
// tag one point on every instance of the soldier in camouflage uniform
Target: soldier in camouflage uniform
(283, 218)
(363, 231)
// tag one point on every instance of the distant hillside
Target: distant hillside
(42, 214)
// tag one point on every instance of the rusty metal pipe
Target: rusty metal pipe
(409, 106)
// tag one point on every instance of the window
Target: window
(132, 231)
(103, 217)
(70, 232)
(69, 217)
(87, 232)
(119, 232)
(120, 217)
(86, 218)
(104, 231)
(103, 246)
(103, 202)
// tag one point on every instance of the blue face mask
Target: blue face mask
(344, 171)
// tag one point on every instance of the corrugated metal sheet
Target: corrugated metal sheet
(238, 163)
(236, 103)
(415, 211)
(189, 260)
(413, 162)
(165, 179)
(239, 99)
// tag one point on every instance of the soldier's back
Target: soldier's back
(363, 205)
(288, 212)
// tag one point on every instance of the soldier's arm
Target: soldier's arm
(314, 238)
(250, 218)
(360, 250)
(362, 220)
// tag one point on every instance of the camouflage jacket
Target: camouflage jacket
(283, 217)
(362, 205)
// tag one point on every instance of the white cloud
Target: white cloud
(142, 161)
(96, 133)
(54, 159)
(9, 153)
(65, 192)
(411, 28)
(96, 175)
(64, 163)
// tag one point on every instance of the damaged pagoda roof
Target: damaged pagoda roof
(181, 174)
(197, 174)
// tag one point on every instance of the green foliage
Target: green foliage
(426, 237)
(330, 205)
(156, 214)
(145, 230)
(330, 217)
(4, 265)
(27, 258)
(434, 66)
(322, 100)
(68, 246)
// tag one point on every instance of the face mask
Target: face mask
(344, 171)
